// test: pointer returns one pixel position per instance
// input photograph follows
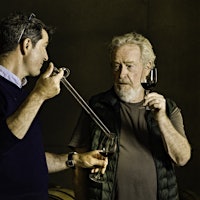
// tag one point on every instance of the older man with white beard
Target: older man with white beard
(150, 142)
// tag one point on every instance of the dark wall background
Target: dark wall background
(84, 29)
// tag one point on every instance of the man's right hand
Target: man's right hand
(91, 159)
(48, 85)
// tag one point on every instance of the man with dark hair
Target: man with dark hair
(24, 165)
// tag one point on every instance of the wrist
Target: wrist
(36, 96)
(162, 116)
(71, 159)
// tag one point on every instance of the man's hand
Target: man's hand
(157, 103)
(48, 85)
(92, 159)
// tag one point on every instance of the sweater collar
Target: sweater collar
(12, 77)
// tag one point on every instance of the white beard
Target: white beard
(126, 95)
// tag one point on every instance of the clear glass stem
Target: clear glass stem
(83, 103)
(147, 92)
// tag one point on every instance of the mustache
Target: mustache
(121, 81)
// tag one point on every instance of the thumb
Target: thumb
(49, 71)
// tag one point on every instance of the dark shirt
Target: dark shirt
(23, 168)
(136, 173)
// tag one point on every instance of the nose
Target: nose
(123, 71)
(46, 57)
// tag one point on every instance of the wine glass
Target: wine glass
(149, 81)
(108, 146)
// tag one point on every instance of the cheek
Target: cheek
(35, 62)
(115, 76)
(134, 78)
(34, 55)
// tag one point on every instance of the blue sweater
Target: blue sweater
(23, 168)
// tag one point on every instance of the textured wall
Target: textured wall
(84, 29)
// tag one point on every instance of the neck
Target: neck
(12, 62)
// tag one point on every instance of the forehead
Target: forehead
(128, 51)
(45, 37)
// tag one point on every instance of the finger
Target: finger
(155, 97)
(151, 100)
(92, 170)
(155, 94)
(95, 170)
(105, 166)
(157, 106)
(49, 70)
(97, 154)
(60, 74)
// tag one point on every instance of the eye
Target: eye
(116, 67)
(130, 67)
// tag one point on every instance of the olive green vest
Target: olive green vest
(107, 107)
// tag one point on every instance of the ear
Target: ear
(148, 66)
(26, 46)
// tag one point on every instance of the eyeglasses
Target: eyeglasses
(29, 19)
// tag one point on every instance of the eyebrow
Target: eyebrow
(126, 62)
(129, 62)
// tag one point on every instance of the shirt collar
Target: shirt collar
(12, 77)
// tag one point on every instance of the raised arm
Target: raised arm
(176, 144)
(46, 87)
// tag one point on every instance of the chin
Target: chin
(125, 93)
(35, 74)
